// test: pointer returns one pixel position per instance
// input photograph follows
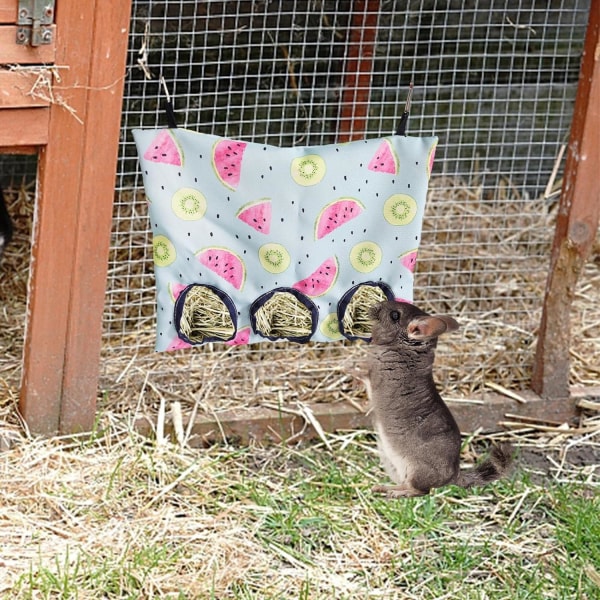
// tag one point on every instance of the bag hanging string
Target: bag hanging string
(171, 122)
(404, 118)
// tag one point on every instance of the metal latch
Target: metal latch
(34, 21)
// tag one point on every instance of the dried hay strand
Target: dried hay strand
(205, 315)
(156, 519)
(356, 319)
(283, 316)
(490, 274)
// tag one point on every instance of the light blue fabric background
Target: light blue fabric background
(265, 173)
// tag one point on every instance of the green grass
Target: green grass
(123, 518)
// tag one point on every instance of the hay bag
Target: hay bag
(264, 243)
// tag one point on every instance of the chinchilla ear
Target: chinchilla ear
(428, 328)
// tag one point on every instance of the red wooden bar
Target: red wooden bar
(576, 225)
(77, 165)
(358, 71)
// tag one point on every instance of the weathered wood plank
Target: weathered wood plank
(94, 219)
(16, 90)
(23, 127)
(13, 53)
(270, 425)
(73, 220)
(8, 11)
(576, 226)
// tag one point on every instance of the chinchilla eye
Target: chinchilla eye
(395, 315)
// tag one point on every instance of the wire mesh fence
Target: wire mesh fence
(495, 81)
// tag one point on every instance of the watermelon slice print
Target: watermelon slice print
(385, 159)
(227, 161)
(241, 338)
(335, 214)
(257, 215)
(225, 263)
(164, 149)
(321, 280)
(409, 260)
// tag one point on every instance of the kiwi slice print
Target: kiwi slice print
(308, 170)
(330, 327)
(400, 209)
(163, 251)
(365, 256)
(188, 204)
(274, 258)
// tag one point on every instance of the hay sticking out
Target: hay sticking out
(205, 315)
(283, 315)
(356, 319)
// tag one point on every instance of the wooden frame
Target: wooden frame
(77, 164)
(576, 225)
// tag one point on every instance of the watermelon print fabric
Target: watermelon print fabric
(250, 219)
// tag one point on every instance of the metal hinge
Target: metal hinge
(34, 22)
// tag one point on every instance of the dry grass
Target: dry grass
(483, 260)
(115, 515)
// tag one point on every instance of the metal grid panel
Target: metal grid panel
(495, 81)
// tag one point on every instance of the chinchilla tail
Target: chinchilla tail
(491, 469)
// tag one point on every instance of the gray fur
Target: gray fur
(418, 439)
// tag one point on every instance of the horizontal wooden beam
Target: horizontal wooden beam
(23, 127)
(8, 11)
(17, 90)
(13, 53)
(288, 424)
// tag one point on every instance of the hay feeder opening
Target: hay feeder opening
(355, 305)
(284, 313)
(203, 314)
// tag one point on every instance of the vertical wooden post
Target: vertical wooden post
(73, 219)
(358, 71)
(577, 223)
